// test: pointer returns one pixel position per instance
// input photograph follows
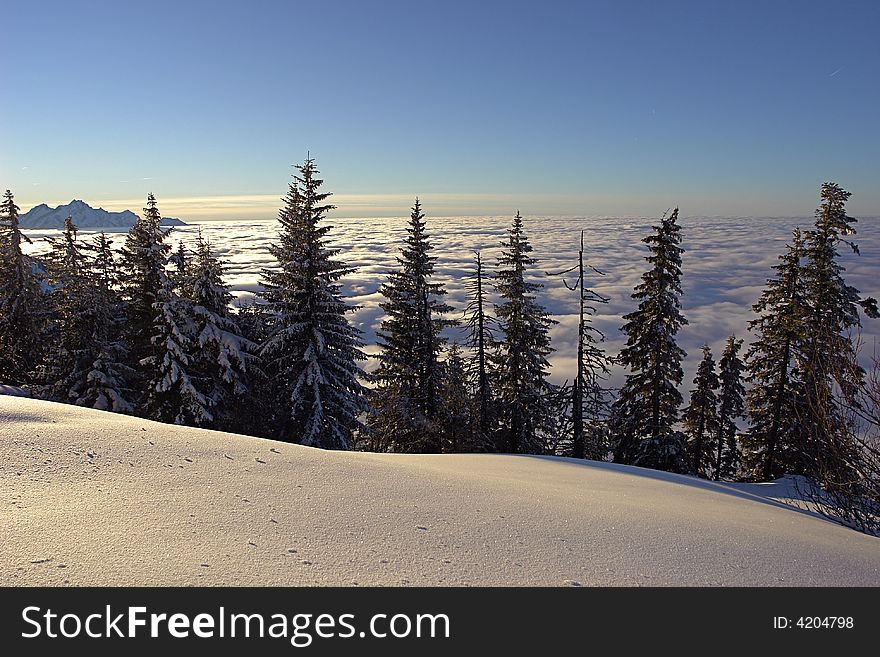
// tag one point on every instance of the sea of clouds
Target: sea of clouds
(725, 266)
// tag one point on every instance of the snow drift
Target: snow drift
(92, 498)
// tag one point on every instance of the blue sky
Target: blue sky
(480, 108)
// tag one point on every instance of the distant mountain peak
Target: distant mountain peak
(84, 216)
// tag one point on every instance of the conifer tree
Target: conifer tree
(522, 388)
(647, 408)
(104, 380)
(481, 341)
(700, 418)
(589, 397)
(772, 445)
(222, 356)
(160, 327)
(72, 298)
(409, 372)
(24, 312)
(830, 370)
(311, 353)
(173, 388)
(180, 261)
(731, 407)
(143, 279)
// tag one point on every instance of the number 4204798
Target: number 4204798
(813, 622)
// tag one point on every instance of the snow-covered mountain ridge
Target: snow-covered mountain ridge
(84, 216)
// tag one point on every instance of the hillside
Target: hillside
(101, 499)
(84, 216)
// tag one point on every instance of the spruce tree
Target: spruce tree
(772, 445)
(589, 403)
(731, 407)
(700, 418)
(523, 391)
(409, 372)
(481, 341)
(180, 262)
(223, 357)
(159, 330)
(74, 308)
(647, 408)
(311, 353)
(174, 388)
(24, 312)
(143, 279)
(830, 369)
(104, 380)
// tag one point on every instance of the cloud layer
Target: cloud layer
(726, 264)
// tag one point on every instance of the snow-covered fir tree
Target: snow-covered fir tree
(143, 280)
(700, 418)
(829, 365)
(312, 351)
(179, 262)
(104, 380)
(731, 407)
(409, 375)
(24, 311)
(522, 389)
(174, 382)
(72, 299)
(773, 444)
(644, 415)
(167, 356)
(481, 342)
(222, 356)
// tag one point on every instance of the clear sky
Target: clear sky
(612, 107)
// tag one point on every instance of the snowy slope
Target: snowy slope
(84, 216)
(94, 498)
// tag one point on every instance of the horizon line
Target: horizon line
(395, 205)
